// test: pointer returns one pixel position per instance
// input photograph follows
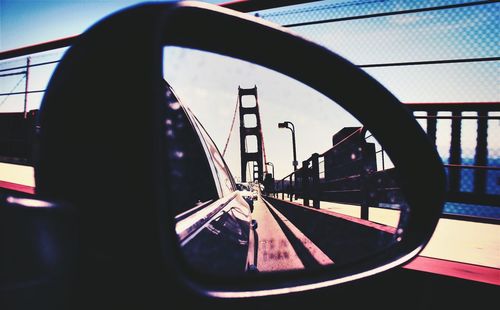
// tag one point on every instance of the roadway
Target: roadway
(290, 236)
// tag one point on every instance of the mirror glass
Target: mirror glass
(269, 175)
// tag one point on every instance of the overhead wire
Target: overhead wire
(12, 90)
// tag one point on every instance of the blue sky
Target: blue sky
(25, 22)
(458, 33)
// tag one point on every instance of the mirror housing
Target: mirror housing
(110, 162)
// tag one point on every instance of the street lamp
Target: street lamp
(273, 178)
(292, 129)
(272, 168)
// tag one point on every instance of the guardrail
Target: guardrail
(349, 176)
(472, 181)
(468, 178)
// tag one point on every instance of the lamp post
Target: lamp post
(286, 124)
(273, 178)
(272, 168)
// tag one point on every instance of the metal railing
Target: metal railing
(310, 183)
(349, 176)
(469, 188)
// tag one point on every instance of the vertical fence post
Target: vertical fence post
(315, 180)
(364, 186)
(455, 152)
(481, 156)
(304, 171)
(382, 155)
(365, 193)
(432, 126)
(283, 189)
(291, 187)
(28, 60)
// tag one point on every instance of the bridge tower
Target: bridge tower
(251, 141)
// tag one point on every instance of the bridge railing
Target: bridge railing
(348, 175)
(22, 85)
(473, 179)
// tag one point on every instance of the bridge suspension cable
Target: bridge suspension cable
(263, 150)
(232, 126)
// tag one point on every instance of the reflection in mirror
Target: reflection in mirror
(268, 174)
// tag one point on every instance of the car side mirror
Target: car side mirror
(117, 162)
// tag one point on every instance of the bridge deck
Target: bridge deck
(274, 249)
(291, 220)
